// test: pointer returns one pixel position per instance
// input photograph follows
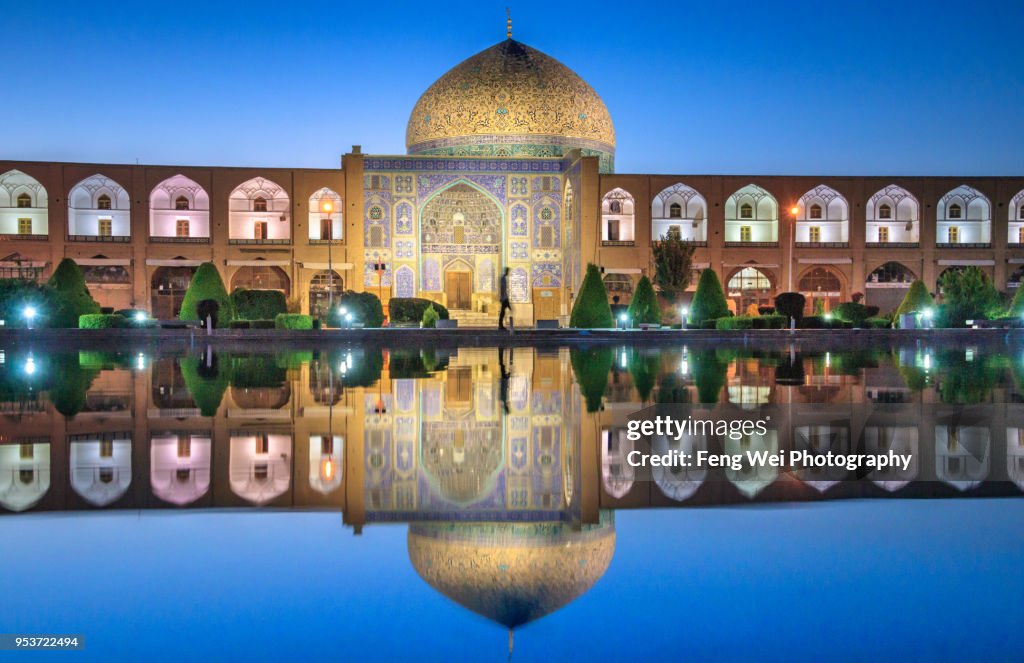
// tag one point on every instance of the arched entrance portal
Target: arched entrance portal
(261, 278)
(750, 285)
(168, 287)
(461, 229)
(822, 290)
(887, 285)
(320, 292)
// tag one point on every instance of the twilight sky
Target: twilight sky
(915, 87)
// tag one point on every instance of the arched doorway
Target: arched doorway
(269, 277)
(822, 289)
(168, 287)
(750, 285)
(461, 229)
(320, 292)
(887, 285)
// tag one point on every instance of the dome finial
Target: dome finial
(508, 13)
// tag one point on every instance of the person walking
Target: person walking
(505, 304)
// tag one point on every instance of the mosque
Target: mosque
(510, 164)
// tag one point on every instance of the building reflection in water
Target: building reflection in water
(506, 464)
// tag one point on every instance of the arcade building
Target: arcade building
(510, 164)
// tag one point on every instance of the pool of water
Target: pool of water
(432, 503)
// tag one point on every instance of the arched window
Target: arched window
(750, 286)
(955, 211)
(103, 202)
(615, 207)
(815, 211)
(259, 204)
(25, 200)
(181, 202)
(1021, 214)
(675, 211)
(884, 212)
(746, 211)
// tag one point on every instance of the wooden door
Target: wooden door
(459, 288)
(547, 303)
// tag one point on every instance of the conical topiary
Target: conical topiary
(917, 299)
(71, 296)
(207, 284)
(709, 300)
(206, 379)
(591, 309)
(591, 368)
(644, 307)
(1017, 304)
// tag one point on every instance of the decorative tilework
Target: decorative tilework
(403, 220)
(403, 183)
(519, 220)
(405, 282)
(427, 164)
(431, 275)
(518, 286)
(370, 277)
(404, 249)
(519, 186)
(485, 276)
(546, 275)
(493, 184)
(519, 251)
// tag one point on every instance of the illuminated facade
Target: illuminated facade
(510, 165)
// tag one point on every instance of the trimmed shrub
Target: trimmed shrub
(206, 284)
(262, 324)
(643, 369)
(365, 308)
(877, 323)
(852, 312)
(765, 310)
(591, 368)
(1016, 309)
(710, 323)
(771, 322)
(790, 305)
(407, 310)
(239, 324)
(821, 322)
(917, 299)
(430, 318)
(709, 300)
(206, 382)
(591, 309)
(258, 304)
(102, 321)
(71, 296)
(293, 321)
(736, 322)
(644, 308)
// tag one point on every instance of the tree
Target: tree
(790, 305)
(709, 300)
(917, 299)
(1017, 304)
(673, 265)
(71, 298)
(591, 309)
(18, 294)
(644, 307)
(364, 307)
(968, 294)
(591, 367)
(207, 284)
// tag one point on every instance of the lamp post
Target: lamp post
(793, 211)
(380, 267)
(326, 207)
(30, 315)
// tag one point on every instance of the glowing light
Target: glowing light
(794, 210)
(622, 317)
(929, 313)
(326, 206)
(140, 316)
(828, 316)
(348, 317)
(30, 313)
(140, 362)
(327, 469)
(624, 360)
(343, 310)
(348, 359)
(828, 360)
(927, 361)
(30, 366)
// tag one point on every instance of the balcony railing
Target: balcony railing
(822, 245)
(119, 239)
(617, 242)
(251, 241)
(963, 245)
(1015, 245)
(30, 237)
(162, 239)
(750, 245)
(324, 242)
(892, 245)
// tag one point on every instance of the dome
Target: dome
(511, 573)
(511, 100)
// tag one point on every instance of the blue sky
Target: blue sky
(869, 87)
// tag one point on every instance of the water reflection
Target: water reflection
(506, 464)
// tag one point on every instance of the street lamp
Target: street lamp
(685, 311)
(326, 207)
(30, 313)
(623, 318)
(793, 211)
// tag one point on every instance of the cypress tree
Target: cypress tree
(591, 309)
(207, 284)
(917, 299)
(71, 296)
(644, 307)
(709, 300)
